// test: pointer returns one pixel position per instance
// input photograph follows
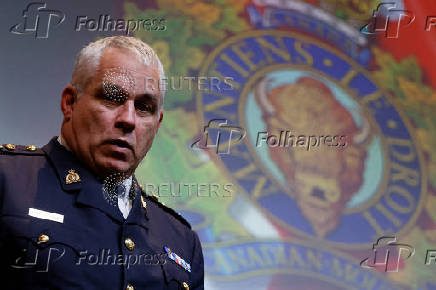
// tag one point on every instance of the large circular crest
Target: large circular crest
(327, 154)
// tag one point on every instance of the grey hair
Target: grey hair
(88, 60)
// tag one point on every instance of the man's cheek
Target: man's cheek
(94, 121)
(145, 143)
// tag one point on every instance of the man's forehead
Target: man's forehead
(124, 69)
(124, 72)
(130, 80)
(114, 57)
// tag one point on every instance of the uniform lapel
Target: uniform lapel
(89, 190)
(138, 214)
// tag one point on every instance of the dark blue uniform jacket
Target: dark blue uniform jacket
(56, 234)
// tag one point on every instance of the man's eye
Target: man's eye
(114, 98)
(144, 107)
(114, 93)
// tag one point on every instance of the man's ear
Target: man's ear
(160, 121)
(69, 97)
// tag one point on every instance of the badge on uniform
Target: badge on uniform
(173, 256)
(72, 177)
(45, 215)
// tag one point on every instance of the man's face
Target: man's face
(114, 122)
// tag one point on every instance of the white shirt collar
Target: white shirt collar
(63, 143)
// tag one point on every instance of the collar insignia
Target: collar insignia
(72, 177)
(144, 204)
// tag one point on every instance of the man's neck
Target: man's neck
(61, 141)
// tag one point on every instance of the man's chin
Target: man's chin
(111, 166)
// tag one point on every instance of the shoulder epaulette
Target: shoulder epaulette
(155, 200)
(12, 149)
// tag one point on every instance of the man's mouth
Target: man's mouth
(120, 143)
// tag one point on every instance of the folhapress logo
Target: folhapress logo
(38, 20)
(222, 134)
(387, 254)
(387, 19)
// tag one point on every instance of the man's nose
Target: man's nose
(126, 117)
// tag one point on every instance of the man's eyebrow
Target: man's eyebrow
(111, 88)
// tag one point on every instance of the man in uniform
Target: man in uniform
(72, 215)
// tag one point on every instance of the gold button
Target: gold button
(130, 287)
(185, 286)
(31, 148)
(10, 146)
(129, 244)
(43, 238)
